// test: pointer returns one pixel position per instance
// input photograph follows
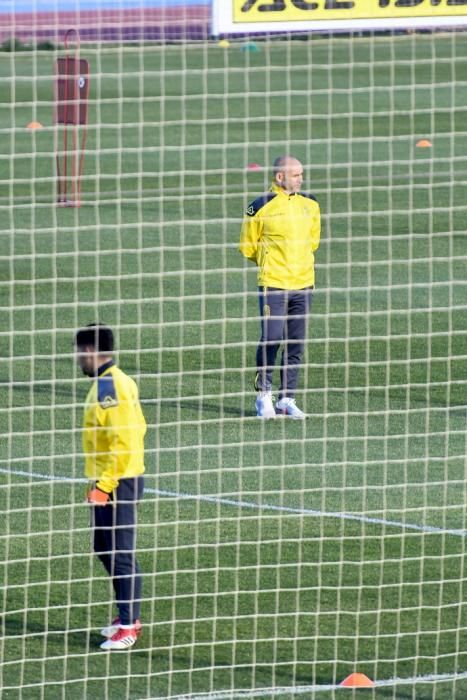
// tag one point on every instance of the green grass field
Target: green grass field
(276, 556)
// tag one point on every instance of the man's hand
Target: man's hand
(97, 497)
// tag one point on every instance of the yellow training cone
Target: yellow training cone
(34, 125)
(224, 44)
(423, 143)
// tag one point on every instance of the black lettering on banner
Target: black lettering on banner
(275, 6)
(407, 3)
(305, 5)
(338, 5)
(280, 5)
(248, 5)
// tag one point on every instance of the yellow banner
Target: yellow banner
(245, 11)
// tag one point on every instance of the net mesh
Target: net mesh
(278, 557)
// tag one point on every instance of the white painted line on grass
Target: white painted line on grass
(308, 512)
(305, 689)
(285, 690)
(251, 505)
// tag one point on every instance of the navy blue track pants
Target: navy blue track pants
(115, 544)
(284, 315)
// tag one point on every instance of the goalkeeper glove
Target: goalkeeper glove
(97, 497)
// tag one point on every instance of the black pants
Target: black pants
(115, 544)
(284, 316)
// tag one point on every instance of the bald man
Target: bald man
(280, 234)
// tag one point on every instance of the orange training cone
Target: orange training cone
(34, 125)
(423, 143)
(357, 680)
(253, 166)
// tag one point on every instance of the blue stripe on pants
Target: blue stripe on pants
(115, 544)
(284, 315)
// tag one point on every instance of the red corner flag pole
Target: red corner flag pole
(71, 92)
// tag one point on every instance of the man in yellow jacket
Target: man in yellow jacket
(113, 443)
(280, 234)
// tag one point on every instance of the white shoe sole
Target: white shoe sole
(117, 646)
(284, 414)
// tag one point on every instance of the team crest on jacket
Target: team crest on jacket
(106, 392)
(108, 402)
(251, 210)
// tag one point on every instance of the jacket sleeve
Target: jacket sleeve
(249, 237)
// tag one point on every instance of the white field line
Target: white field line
(285, 690)
(217, 500)
(307, 689)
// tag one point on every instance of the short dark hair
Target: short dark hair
(280, 162)
(97, 335)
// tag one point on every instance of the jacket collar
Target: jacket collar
(279, 190)
(104, 368)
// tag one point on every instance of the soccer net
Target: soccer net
(279, 557)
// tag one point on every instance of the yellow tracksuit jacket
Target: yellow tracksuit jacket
(280, 233)
(113, 429)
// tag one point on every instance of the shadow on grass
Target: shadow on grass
(220, 410)
(15, 627)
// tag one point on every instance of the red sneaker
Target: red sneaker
(124, 638)
(114, 626)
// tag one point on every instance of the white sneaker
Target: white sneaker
(124, 638)
(264, 405)
(288, 407)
